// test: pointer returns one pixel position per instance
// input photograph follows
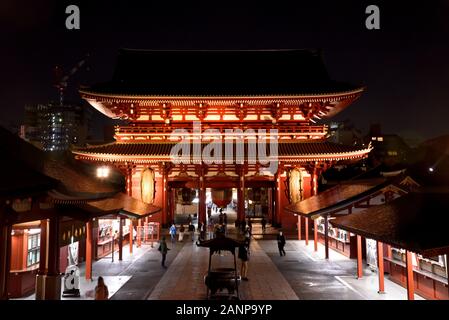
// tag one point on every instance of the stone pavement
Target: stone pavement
(185, 278)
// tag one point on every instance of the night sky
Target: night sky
(405, 65)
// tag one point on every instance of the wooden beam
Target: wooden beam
(380, 266)
(409, 274)
(315, 234)
(299, 227)
(359, 257)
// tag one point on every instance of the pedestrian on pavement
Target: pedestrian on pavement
(192, 231)
(244, 257)
(264, 224)
(101, 290)
(220, 217)
(181, 233)
(202, 230)
(163, 249)
(189, 219)
(281, 243)
(243, 225)
(225, 218)
(250, 225)
(173, 233)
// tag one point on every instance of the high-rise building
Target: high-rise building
(53, 127)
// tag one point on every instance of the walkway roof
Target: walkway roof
(416, 222)
(338, 197)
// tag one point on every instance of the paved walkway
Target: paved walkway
(185, 278)
(314, 278)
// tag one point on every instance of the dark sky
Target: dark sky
(405, 65)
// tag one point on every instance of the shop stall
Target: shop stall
(415, 255)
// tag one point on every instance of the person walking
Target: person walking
(250, 225)
(192, 231)
(173, 233)
(281, 243)
(243, 226)
(101, 290)
(163, 249)
(264, 224)
(244, 258)
(181, 233)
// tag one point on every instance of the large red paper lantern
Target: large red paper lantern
(221, 197)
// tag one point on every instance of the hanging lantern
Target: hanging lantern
(295, 185)
(221, 197)
(147, 186)
(188, 195)
(254, 194)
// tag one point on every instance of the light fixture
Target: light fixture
(431, 169)
(103, 172)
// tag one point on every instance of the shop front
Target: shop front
(106, 231)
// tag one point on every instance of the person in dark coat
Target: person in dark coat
(244, 257)
(163, 249)
(264, 224)
(281, 243)
(243, 226)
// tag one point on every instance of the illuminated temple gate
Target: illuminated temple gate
(157, 92)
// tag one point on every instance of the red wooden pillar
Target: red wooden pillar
(270, 205)
(277, 199)
(131, 235)
(173, 203)
(409, 272)
(359, 257)
(120, 239)
(139, 232)
(314, 192)
(380, 266)
(39, 291)
(299, 227)
(89, 250)
(52, 281)
(241, 195)
(164, 196)
(326, 237)
(202, 198)
(307, 230)
(129, 181)
(5, 258)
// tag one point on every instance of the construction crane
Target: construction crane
(61, 81)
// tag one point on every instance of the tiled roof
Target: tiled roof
(30, 170)
(337, 197)
(121, 204)
(162, 149)
(219, 73)
(416, 222)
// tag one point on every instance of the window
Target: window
(34, 243)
